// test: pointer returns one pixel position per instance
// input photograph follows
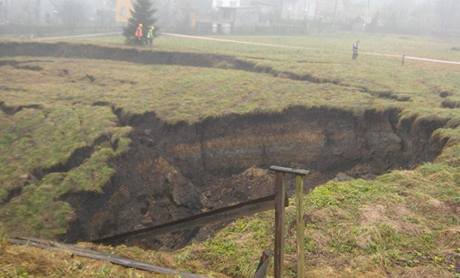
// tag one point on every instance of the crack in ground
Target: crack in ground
(133, 55)
(385, 94)
(18, 64)
(10, 89)
(12, 193)
(451, 104)
(12, 110)
(76, 159)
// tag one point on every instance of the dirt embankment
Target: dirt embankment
(174, 171)
(127, 54)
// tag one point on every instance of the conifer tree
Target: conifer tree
(143, 12)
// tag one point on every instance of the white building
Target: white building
(226, 3)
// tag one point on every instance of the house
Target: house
(226, 3)
(224, 15)
(55, 12)
(173, 15)
(255, 16)
(244, 16)
(3, 12)
(123, 10)
(199, 14)
(26, 12)
(295, 10)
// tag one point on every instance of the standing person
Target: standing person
(139, 33)
(151, 35)
(355, 50)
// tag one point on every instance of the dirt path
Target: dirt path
(432, 60)
(398, 56)
(234, 41)
(414, 58)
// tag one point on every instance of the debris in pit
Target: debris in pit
(342, 177)
(445, 94)
(101, 103)
(17, 65)
(63, 72)
(451, 104)
(89, 77)
(11, 110)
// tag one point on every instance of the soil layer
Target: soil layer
(175, 171)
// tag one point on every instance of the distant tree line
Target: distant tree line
(398, 16)
(417, 17)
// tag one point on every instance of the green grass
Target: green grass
(26, 261)
(395, 224)
(329, 57)
(49, 136)
(405, 223)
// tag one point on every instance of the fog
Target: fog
(427, 17)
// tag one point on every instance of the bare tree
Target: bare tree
(447, 12)
(71, 12)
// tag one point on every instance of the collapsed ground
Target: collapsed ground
(174, 171)
(75, 125)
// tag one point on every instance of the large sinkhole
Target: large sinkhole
(175, 171)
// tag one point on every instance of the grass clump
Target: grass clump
(41, 206)
(394, 225)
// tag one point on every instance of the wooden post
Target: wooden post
(300, 226)
(403, 61)
(264, 262)
(280, 200)
(280, 203)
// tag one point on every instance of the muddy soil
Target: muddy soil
(175, 171)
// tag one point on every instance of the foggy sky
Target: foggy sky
(388, 15)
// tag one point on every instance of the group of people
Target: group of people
(145, 39)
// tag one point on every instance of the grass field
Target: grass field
(328, 59)
(404, 223)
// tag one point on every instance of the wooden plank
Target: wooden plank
(300, 226)
(289, 170)
(264, 262)
(280, 199)
(92, 254)
(219, 215)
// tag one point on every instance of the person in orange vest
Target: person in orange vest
(139, 33)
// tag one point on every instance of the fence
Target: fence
(278, 201)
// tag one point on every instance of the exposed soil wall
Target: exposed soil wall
(174, 171)
(127, 54)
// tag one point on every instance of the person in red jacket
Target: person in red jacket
(139, 33)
